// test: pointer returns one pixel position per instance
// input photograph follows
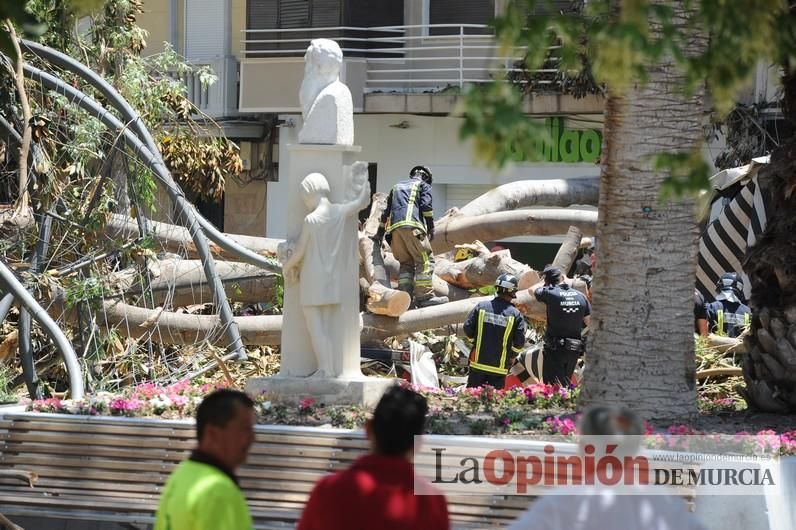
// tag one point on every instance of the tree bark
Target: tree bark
(27, 133)
(443, 288)
(479, 271)
(568, 250)
(182, 282)
(641, 351)
(173, 238)
(770, 368)
(385, 301)
(500, 225)
(524, 193)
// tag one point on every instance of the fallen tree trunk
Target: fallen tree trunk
(568, 250)
(386, 301)
(182, 282)
(726, 344)
(443, 288)
(481, 270)
(169, 327)
(525, 193)
(174, 238)
(728, 371)
(460, 229)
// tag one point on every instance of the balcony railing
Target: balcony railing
(220, 98)
(407, 58)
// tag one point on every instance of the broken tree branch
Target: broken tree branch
(175, 238)
(524, 193)
(568, 250)
(500, 225)
(24, 149)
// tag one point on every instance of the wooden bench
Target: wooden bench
(114, 469)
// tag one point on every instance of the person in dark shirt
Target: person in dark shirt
(700, 314)
(568, 311)
(498, 329)
(728, 315)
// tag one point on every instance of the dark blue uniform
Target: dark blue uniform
(727, 317)
(409, 204)
(566, 309)
(499, 332)
(408, 222)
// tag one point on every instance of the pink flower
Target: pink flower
(306, 404)
(559, 425)
(125, 405)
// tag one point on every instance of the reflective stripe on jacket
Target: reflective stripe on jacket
(499, 332)
(730, 319)
(408, 204)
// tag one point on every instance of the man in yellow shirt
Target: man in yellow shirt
(202, 492)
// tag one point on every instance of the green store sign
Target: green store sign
(565, 145)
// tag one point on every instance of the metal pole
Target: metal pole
(461, 57)
(185, 212)
(130, 116)
(50, 327)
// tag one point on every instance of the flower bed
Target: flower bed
(537, 409)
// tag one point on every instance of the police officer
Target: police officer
(567, 313)
(408, 222)
(498, 329)
(728, 315)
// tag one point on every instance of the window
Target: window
(460, 12)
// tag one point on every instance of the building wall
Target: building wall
(156, 20)
(244, 207)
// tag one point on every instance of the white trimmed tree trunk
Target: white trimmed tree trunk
(641, 351)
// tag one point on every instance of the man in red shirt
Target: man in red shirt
(377, 491)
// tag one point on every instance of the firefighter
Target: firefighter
(498, 329)
(408, 222)
(728, 315)
(568, 312)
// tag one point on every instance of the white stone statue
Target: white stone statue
(326, 104)
(317, 262)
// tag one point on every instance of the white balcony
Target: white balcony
(386, 59)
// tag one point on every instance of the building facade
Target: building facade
(405, 63)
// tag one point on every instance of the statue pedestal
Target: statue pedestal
(363, 391)
(333, 162)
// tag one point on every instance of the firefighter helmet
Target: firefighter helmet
(506, 283)
(421, 171)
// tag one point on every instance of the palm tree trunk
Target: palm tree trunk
(641, 353)
(770, 368)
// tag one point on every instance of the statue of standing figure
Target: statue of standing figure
(316, 259)
(326, 104)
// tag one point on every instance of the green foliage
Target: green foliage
(717, 43)
(689, 174)
(6, 377)
(16, 11)
(89, 289)
(494, 119)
